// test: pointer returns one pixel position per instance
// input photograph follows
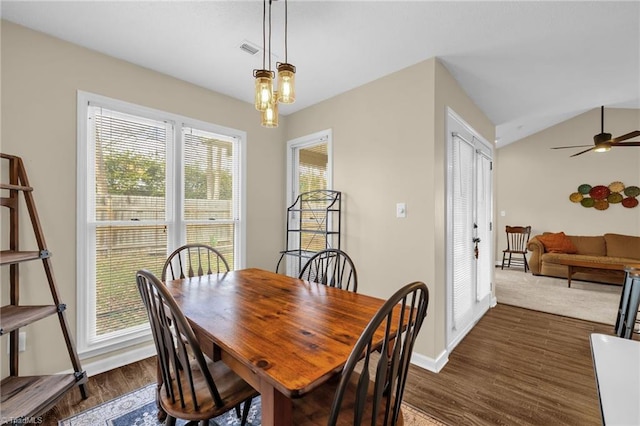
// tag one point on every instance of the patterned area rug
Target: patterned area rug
(138, 408)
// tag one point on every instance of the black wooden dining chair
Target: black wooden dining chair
(373, 395)
(517, 240)
(192, 260)
(191, 388)
(332, 267)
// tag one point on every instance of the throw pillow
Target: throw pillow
(557, 243)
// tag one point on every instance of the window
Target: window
(148, 182)
(309, 165)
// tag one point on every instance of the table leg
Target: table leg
(277, 409)
(632, 309)
(622, 307)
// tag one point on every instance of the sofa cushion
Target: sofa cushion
(622, 246)
(557, 243)
(559, 257)
(594, 246)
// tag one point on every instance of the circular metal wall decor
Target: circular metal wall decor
(601, 197)
(584, 188)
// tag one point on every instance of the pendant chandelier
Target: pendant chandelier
(267, 96)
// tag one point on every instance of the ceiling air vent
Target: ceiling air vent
(249, 48)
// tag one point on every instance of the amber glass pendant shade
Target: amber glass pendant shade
(286, 83)
(270, 114)
(264, 89)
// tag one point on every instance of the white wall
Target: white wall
(534, 182)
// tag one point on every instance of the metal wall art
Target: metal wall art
(600, 196)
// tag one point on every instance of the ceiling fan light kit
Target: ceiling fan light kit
(267, 96)
(603, 147)
(603, 142)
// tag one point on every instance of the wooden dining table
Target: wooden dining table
(282, 335)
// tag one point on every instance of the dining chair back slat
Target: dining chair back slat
(193, 260)
(332, 267)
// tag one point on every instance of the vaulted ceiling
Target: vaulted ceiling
(527, 65)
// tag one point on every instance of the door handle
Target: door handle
(476, 240)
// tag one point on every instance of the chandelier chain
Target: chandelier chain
(270, 35)
(264, 36)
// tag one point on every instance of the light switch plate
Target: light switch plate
(401, 210)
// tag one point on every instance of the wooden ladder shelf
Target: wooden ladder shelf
(25, 397)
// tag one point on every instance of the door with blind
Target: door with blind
(469, 239)
(308, 169)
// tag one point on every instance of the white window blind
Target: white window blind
(210, 176)
(129, 209)
(312, 176)
(147, 183)
(463, 279)
(312, 167)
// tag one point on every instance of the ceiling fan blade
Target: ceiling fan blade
(582, 152)
(573, 146)
(627, 136)
(625, 143)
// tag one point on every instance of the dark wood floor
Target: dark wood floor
(516, 367)
(103, 387)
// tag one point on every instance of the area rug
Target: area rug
(138, 408)
(584, 300)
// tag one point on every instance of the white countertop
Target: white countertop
(617, 366)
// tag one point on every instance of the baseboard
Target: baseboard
(433, 365)
(494, 301)
(124, 358)
(119, 360)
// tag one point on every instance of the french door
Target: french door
(469, 230)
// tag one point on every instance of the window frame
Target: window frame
(88, 343)
(304, 142)
(293, 173)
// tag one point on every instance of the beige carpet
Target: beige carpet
(584, 300)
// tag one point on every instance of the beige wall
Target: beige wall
(534, 182)
(40, 78)
(389, 147)
(384, 153)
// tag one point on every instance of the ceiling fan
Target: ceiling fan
(603, 141)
